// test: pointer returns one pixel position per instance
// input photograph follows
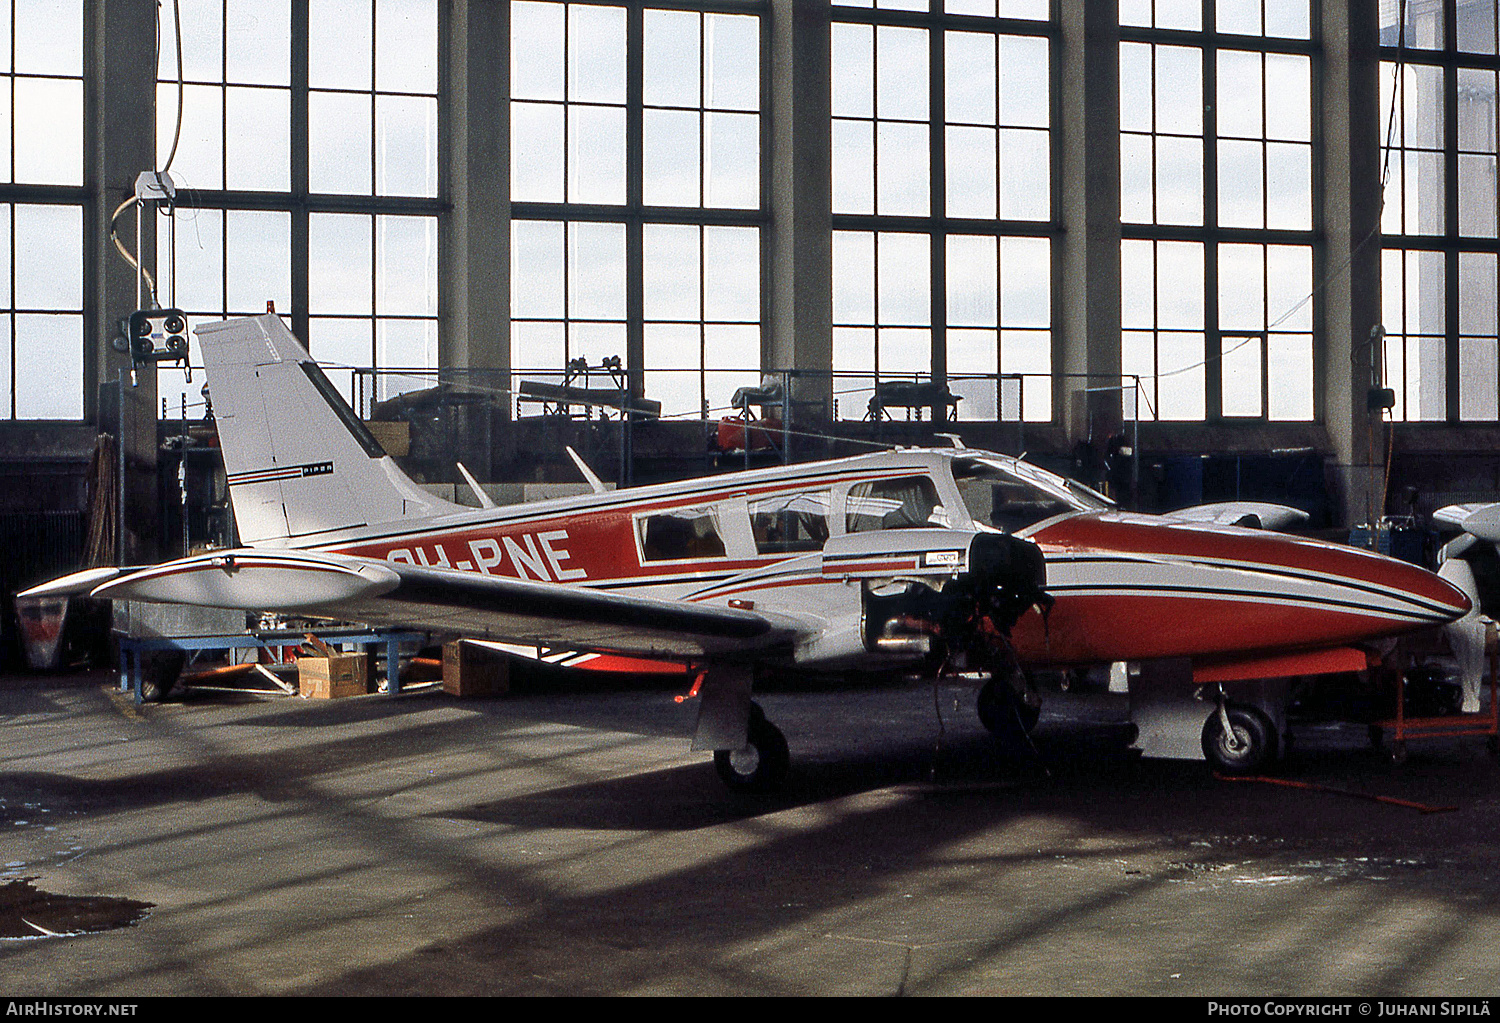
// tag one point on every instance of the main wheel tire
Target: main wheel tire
(764, 762)
(1253, 745)
(1001, 711)
(160, 670)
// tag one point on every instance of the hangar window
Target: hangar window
(942, 203)
(636, 154)
(1216, 151)
(41, 313)
(41, 72)
(1440, 271)
(307, 173)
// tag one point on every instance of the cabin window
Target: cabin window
(997, 498)
(681, 534)
(789, 523)
(904, 503)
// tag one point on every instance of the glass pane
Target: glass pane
(341, 41)
(973, 270)
(905, 270)
(853, 167)
(670, 148)
(200, 145)
(258, 42)
(731, 274)
(406, 266)
(49, 131)
(1024, 93)
(339, 143)
(1242, 293)
(1476, 196)
(1240, 372)
(1288, 186)
(1477, 283)
(1289, 377)
(596, 155)
(200, 259)
(1025, 282)
(1180, 385)
(258, 259)
(1179, 181)
(536, 157)
(49, 258)
(406, 145)
(1240, 112)
(732, 161)
(1241, 188)
(671, 68)
(972, 163)
(901, 87)
(903, 169)
(536, 50)
(672, 272)
(49, 37)
(1179, 90)
(853, 72)
(969, 78)
(49, 364)
(596, 54)
(732, 61)
(537, 274)
(340, 263)
(1025, 174)
(1179, 285)
(406, 46)
(853, 277)
(257, 139)
(1478, 374)
(596, 272)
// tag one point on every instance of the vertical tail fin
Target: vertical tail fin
(300, 463)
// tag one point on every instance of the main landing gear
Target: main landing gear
(762, 764)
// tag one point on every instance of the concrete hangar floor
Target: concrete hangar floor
(565, 843)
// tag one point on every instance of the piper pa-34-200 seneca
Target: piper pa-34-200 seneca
(905, 562)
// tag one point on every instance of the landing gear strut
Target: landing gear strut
(762, 764)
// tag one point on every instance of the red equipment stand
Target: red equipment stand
(1402, 729)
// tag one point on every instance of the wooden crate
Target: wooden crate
(470, 670)
(323, 678)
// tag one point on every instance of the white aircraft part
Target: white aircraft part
(1466, 636)
(1256, 514)
(254, 580)
(299, 463)
(75, 584)
(1484, 523)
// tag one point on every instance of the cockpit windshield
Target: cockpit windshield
(1010, 495)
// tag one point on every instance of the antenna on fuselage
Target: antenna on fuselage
(951, 438)
(588, 474)
(484, 499)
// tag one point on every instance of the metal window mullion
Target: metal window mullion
(1213, 341)
(937, 201)
(1451, 226)
(300, 174)
(635, 297)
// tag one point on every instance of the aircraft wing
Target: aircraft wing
(1255, 514)
(347, 588)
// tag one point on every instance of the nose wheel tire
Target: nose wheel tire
(1248, 746)
(1001, 710)
(762, 764)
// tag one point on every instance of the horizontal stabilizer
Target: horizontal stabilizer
(77, 583)
(254, 580)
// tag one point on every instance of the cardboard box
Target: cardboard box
(471, 670)
(324, 678)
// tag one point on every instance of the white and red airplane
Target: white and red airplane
(922, 561)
